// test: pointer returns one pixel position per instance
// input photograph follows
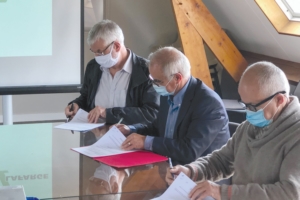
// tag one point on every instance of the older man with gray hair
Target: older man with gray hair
(192, 120)
(263, 155)
(116, 83)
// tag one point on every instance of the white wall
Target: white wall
(41, 107)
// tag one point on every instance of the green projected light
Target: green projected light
(26, 158)
(26, 28)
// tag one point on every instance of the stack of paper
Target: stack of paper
(79, 122)
(108, 151)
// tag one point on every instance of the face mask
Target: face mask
(161, 90)
(107, 61)
(258, 118)
(105, 172)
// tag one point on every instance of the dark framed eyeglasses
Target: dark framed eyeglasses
(252, 107)
(102, 52)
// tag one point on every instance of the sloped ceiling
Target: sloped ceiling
(250, 29)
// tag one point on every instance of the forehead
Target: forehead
(98, 45)
(156, 72)
(249, 92)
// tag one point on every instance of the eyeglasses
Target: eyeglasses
(157, 82)
(102, 52)
(252, 107)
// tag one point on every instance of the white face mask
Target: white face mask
(105, 172)
(107, 61)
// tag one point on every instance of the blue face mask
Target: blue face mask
(161, 90)
(258, 118)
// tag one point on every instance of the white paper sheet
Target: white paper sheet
(109, 144)
(12, 193)
(179, 189)
(79, 122)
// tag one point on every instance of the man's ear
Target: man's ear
(117, 46)
(178, 77)
(280, 99)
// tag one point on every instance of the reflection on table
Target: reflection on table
(38, 157)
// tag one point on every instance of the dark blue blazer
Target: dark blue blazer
(201, 126)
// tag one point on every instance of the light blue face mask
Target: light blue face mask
(258, 118)
(162, 90)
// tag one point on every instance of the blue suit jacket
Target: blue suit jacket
(201, 126)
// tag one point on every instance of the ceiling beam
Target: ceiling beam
(198, 16)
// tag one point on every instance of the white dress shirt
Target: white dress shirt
(112, 91)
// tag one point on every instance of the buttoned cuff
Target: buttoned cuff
(148, 143)
(132, 129)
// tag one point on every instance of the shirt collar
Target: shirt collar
(177, 99)
(127, 67)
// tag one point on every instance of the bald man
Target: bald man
(263, 155)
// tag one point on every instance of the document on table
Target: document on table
(79, 122)
(179, 189)
(108, 145)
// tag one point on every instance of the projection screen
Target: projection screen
(41, 46)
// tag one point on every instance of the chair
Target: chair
(297, 91)
(232, 127)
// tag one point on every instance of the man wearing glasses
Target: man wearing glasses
(116, 83)
(192, 120)
(263, 155)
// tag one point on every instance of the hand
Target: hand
(96, 113)
(134, 141)
(176, 171)
(204, 189)
(69, 113)
(123, 128)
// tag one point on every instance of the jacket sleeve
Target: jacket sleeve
(215, 166)
(83, 98)
(206, 123)
(145, 113)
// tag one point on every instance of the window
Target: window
(291, 8)
(283, 14)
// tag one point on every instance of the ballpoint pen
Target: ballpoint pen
(171, 167)
(71, 109)
(120, 121)
(69, 117)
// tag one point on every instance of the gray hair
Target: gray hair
(270, 78)
(172, 61)
(106, 30)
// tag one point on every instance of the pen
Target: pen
(171, 167)
(69, 117)
(71, 109)
(120, 121)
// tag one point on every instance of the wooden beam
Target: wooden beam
(213, 35)
(193, 47)
(291, 69)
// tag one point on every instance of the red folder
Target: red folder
(131, 159)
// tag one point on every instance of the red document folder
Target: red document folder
(132, 159)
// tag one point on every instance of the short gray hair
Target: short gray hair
(172, 61)
(270, 78)
(106, 30)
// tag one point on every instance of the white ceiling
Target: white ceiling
(250, 29)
